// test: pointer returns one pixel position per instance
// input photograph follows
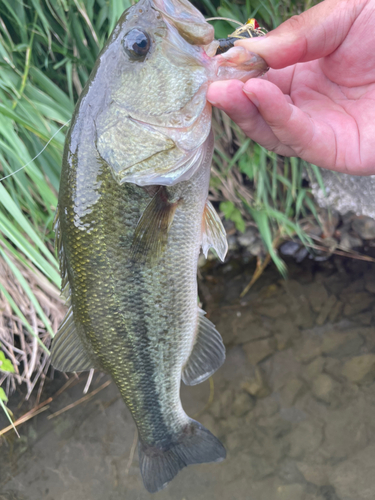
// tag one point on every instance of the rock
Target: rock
(364, 227)
(355, 478)
(255, 468)
(268, 447)
(337, 281)
(249, 236)
(271, 308)
(348, 241)
(209, 422)
(257, 386)
(275, 427)
(243, 403)
(237, 440)
(341, 344)
(259, 350)
(346, 193)
(333, 367)
(225, 404)
(289, 472)
(245, 328)
(314, 368)
(291, 492)
(345, 433)
(285, 333)
(233, 245)
(301, 312)
(354, 287)
(336, 311)
(363, 318)
(215, 409)
(266, 407)
(291, 391)
(357, 302)
(325, 310)
(307, 349)
(305, 439)
(283, 341)
(317, 295)
(325, 389)
(329, 493)
(360, 369)
(290, 247)
(370, 282)
(316, 474)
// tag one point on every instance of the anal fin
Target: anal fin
(213, 232)
(68, 352)
(207, 355)
(151, 234)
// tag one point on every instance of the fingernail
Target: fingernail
(253, 98)
(214, 103)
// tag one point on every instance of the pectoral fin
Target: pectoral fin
(213, 232)
(208, 353)
(151, 233)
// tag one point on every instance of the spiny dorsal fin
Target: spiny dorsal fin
(207, 355)
(151, 233)
(68, 353)
(213, 232)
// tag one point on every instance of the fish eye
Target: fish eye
(136, 43)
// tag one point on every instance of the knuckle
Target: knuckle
(296, 22)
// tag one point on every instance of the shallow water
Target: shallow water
(294, 403)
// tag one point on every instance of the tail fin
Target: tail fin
(195, 445)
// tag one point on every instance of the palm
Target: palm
(341, 109)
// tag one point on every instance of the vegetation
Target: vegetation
(47, 50)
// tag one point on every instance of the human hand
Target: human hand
(318, 99)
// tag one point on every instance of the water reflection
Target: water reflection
(294, 403)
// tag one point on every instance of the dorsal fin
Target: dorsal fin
(207, 355)
(213, 232)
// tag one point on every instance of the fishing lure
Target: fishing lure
(248, 30)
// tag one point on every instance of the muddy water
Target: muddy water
(294, 403)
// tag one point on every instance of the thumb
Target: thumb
(311, 35)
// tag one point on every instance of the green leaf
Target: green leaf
(5, 409)
(232, 213)
(5, 364)
(3, 396)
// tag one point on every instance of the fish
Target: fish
(133, 214)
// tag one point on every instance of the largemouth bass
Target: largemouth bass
(133, 214)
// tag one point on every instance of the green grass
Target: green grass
(47, 51)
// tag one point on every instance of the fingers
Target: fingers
(290, 131)
(240, 107)
(315, 33)
(270, 118)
